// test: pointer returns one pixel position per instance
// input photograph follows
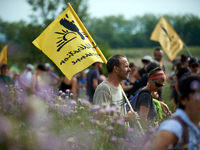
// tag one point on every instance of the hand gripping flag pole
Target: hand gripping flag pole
(131, 109)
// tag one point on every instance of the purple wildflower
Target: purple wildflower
(60, 92)
(120, 121)
(91, 132)
(194, 85)
(95, 107)
(114, 138)
(130, 129)
(110, 127)
(67, 90)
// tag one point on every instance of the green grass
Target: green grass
(135, 55)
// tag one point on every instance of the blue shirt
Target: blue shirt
(175, 127)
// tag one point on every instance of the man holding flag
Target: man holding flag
(68, 44)
(109, 91)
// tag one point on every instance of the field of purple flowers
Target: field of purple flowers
(56, 121)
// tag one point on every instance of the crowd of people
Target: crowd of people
(148, 80)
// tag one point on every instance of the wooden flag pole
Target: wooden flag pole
(188, 50)
(131, 108)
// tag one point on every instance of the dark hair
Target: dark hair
(151, 66)
(3, 66)
(41, 67)
(187, 85)
(113, 61)
(153, 71)
(157, 49)
(184, 58)
(131, 64)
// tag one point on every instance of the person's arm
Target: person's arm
(136, 75)
(164, 106)
(131, 116)
(33, 83)
(95, 83)
(163, 140)
(144, 111)
(74, 88)
(126, 87)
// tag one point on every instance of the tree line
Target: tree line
(108, 32)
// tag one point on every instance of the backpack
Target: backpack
(133, 100)
(185, 134)
(184, 138)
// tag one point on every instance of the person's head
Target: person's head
(146, 60)
(152, 65)
(41, 68)
(47, 66)
(184, 60)
(132, 66)
(29, 67)
(176, 65)
(119, 65)
(189, 93)
(158, 54)
(194, 65)
(156, 79)
(4, 69)
(97, 65)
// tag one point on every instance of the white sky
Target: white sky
(15, 10)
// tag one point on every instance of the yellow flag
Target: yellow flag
(68, 44)
(3, 55)
(168, 38)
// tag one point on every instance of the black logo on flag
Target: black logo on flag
(69, 26)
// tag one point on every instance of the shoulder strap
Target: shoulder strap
(133, 99)
(185, 134)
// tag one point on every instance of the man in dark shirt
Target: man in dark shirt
(93, 80)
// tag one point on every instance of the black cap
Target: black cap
(193, 61)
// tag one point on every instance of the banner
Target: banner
(3, 55)
(68, 44)
(168, 38)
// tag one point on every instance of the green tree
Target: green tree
(48, 10)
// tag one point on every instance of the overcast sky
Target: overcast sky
(15, 10)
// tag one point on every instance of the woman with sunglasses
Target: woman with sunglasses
(145, 105)
(194, 66)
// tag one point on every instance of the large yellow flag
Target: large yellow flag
(168, 38)
(3, 55)
(68, 44)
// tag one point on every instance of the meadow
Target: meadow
(55, 121)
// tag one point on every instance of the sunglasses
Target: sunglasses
(195, 65)
(158, 56)
(158, 84)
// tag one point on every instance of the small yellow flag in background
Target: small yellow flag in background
(168, 38)
(68, 44)
(3, 55)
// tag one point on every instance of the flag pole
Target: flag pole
(102, 57)
(131, 108)
(188, 50)
(87, 33)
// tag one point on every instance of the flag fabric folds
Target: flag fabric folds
(168, 38)
(68, 44)
(3, 55)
